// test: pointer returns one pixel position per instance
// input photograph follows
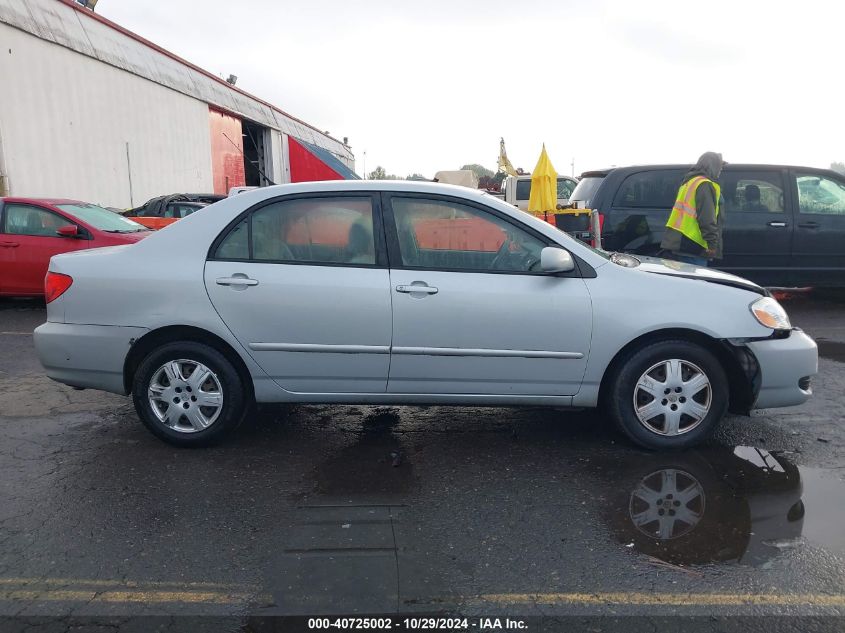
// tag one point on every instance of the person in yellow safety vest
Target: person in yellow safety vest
(694, 230)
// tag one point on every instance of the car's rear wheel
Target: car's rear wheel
(668, 395)
(188, 394)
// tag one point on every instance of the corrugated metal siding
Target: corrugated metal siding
(227, 162)
(64, 25)
(66, 119)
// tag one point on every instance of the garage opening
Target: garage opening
(257, 163)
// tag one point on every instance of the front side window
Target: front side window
(752, 192)
(820, 194)
(23, 219)
(452, 236)
(308, 230)
(650, 189)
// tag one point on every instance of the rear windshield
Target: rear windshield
(586, 189)
(102, 219)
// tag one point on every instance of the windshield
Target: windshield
(102, 219)
(586, 189)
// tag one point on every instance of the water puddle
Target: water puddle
(743, 505)
(375, 465)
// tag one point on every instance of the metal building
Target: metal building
(92, 111)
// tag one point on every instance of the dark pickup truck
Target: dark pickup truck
(784, 225)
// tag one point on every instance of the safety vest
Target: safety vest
(684, 217)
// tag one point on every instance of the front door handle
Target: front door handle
(236, 281)
(415, 288)
(809, 225)
(9, 244)
(778, 225)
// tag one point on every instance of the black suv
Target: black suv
(784, 226)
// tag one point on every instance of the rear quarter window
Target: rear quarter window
(649, 189)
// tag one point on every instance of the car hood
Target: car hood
(690, 271)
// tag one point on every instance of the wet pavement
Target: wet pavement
(398, 510)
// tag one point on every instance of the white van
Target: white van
(517, 190)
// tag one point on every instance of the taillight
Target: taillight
(55, 285)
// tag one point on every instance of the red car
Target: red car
(33, 230)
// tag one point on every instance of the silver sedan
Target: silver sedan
(410, 293)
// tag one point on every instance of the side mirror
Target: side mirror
(556, 260)
(68, 230)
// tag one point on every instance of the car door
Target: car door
(28, 240)
(471, 314)
(758, 225)
(818, 251)
(302, 283)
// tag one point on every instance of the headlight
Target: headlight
(770, 314)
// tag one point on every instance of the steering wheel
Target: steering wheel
(502, 254)
(522, 260)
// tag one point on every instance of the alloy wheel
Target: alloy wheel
(672, 397)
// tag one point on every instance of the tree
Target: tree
(377, 174)
(380, 174)
(492, 183)
(838, 167)
(479, 170)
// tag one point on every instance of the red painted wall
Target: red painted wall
(227, 160)
(305, 167)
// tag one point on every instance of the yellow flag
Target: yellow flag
(504, 163)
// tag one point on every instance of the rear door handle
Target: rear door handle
(9, 244)
(809, 225)
(778, 225)
(236, 281)
(429, 290)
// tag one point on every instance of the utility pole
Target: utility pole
(365, 164)
(573, 166)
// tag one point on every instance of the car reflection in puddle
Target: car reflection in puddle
(710, 505)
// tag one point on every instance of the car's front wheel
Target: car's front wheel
(188, 394)
(668, 395)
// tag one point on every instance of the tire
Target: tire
(156, 384)
(684, 417)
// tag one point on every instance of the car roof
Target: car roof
(48, 201)
(320, 186)
(600, 173)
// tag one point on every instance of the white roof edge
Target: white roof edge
(90, 34)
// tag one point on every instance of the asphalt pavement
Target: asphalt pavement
(339, 510)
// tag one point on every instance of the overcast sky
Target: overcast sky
(432, 85)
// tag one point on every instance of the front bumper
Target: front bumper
(89, 356)
(784, 362)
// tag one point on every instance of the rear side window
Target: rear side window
(308, 230)
(523, 189)
(649, 189)
(752, 191)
